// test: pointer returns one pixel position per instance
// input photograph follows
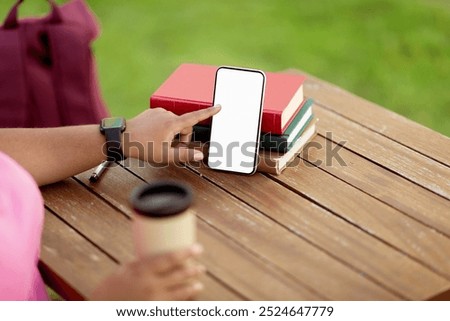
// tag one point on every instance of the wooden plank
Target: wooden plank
(255, 279)
(332, 234)
(379, 120)
(385, 152)
(82, 270)
(372, 216)
(57, 284)
(88, 266)
(216, 291)
(444, 296)
(92, 217)
(220, 251)
(217, 256)
(272, 242)
(108, 228)
(407, 197)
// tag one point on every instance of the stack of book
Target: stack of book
(288, 122)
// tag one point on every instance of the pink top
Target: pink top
(21, 220)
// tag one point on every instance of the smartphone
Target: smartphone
(235, 131)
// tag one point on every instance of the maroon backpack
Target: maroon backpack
(47, 70)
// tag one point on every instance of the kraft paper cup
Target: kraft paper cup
(162, 222)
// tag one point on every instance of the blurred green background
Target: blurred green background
(393, 52)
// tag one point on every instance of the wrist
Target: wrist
(130, 146)
(127, 152)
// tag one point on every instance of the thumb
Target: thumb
(184, 155)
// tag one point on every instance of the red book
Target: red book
(191, 87)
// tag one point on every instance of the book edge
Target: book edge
(275, 166)
(292, 106)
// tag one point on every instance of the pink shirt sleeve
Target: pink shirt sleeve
(21, 221)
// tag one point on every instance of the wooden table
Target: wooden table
(376, 229)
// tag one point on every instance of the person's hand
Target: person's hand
(149, 135)
(166, 277)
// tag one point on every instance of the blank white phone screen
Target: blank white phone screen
(235, 129)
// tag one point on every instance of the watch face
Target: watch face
(114, 122)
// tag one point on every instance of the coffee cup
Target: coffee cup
(163, 221)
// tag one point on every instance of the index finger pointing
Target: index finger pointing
(190, 119)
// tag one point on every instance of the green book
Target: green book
(279, 143)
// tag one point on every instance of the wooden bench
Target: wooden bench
(377, 228)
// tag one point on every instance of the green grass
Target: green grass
(395, 53)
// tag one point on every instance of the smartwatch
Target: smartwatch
(113, 128)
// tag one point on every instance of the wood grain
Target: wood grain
(272, 242)
(376, 229)
(216, 290)
(104, 225)
(252, 277)
(107, 227)
(407, 197)
(219, 250)
(90, 266)
(83, 269)
(443, 296)
(405, 162)
(332, 234)
(374, 217)
(379, 120)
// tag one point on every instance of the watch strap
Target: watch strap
(114, 144)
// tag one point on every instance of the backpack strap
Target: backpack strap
(12, 22)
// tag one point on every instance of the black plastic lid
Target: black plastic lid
(161, 198)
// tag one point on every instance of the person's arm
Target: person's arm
(53, 154)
